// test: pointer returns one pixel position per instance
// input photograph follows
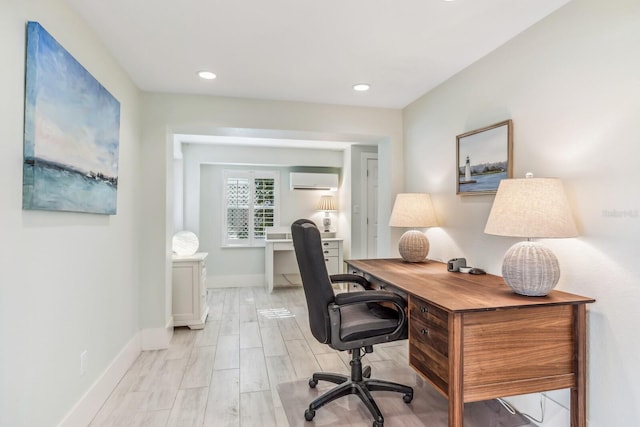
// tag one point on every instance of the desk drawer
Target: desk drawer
(330, 245)
(283, 246)
(330, 252)
(429, 341)
(333, 266)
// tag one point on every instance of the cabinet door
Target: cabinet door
(185, 301)
(333, 266)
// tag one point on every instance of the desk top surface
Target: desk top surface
(454, 292)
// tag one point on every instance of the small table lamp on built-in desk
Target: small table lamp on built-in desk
(326, 204)
(413, 210)
(531, 207)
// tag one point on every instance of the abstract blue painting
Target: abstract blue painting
(71, 132)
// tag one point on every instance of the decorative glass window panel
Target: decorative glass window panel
(251, 198)
(237, 208)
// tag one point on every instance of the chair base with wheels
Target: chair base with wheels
(359, 383)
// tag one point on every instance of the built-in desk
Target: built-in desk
(474, 339)
(280, 258)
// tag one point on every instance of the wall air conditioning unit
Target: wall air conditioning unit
(314, 181)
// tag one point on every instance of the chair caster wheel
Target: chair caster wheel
(313, 383)
(309, 414)
(378, 424)
(407, 398)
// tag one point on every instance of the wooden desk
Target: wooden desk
(474, 339)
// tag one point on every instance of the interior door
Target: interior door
(372, 207)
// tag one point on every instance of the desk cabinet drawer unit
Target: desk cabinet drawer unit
(429, 342)
(280, 259)
(332, 256)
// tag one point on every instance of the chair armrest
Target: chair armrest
(348, 298)
(366, 297)
(350, 278)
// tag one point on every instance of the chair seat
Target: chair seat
(359, 321)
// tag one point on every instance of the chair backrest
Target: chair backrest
(315, 278)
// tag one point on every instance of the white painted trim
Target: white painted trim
(157, 338)
(364, 205)
(236, 281)
(88, 406)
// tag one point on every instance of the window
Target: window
(251, 199)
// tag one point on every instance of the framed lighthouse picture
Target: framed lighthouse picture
(484, 158)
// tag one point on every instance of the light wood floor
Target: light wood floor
(226, 374)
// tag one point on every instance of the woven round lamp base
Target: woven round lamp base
(530, 269)
(413, 246)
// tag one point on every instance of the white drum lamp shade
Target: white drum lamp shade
(531, 208)
(413, 210)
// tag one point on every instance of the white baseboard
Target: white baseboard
(88, 406)
(236, 281)
(157, 338)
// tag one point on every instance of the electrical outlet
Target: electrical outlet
(83, 362)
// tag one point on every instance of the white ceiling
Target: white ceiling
(304, 50)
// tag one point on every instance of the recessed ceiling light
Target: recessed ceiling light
(207, 75)
(361, 87)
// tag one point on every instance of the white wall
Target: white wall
(68, 281)
(203, 201)
(346, 221)
(571, 84)
(194, 155)
(164, 115)
(245, 266)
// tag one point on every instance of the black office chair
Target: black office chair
(351, 321)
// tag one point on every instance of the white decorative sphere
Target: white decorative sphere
(185, 243)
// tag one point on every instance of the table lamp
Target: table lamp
(326, 204)
(531, 208)
(413, 210)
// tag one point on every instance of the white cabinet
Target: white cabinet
(189, 290)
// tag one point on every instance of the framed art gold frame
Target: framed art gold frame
(484, 158)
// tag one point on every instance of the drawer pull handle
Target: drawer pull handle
(424, 331)
(424, 309)
(326, 252)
